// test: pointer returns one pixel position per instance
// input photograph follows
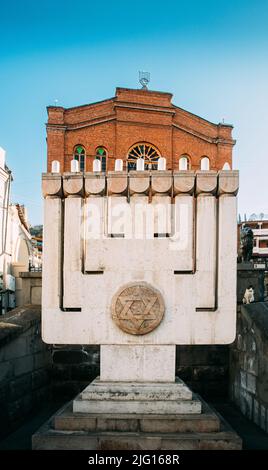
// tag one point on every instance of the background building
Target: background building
(133, 124)
(259, 227)
(15, 242)
(37, 244)
(260, 232)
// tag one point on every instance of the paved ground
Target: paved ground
(21, 438)
(253, 437)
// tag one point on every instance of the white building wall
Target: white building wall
(15, 240)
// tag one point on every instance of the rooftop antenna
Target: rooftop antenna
(56, 102)
(144, 78)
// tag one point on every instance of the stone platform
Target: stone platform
(108, 416)
(148, 398)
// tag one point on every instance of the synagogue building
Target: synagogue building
(136, 124)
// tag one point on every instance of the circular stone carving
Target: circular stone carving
(137, 308)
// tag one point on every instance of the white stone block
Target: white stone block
(225, 321)
(95, 228)
(96, 165)
(118, 165)
(117, 183)
(51, 185)
(206, 252)
(72, 267)
(75, 166)
(119, 217)
(139, 182)
(205, 164)
(182, 239)
(55, 166)
(125, 363)
(140, 164)
(94, 184)
(161, 164)
(183, 163)
(161, 182)
(51, 256)
(183, 182)
(73, 184)
(162, 214)
(129, 391)
(139, 407)
(142, 218)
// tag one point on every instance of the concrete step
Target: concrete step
(66, 420)
(123, 391)
(77, 431)
(48, 439)
(137, 406)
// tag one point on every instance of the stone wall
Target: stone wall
(249, 363)
(205, 369)
(24, 366)
(32, 372)
(248, 276)
(31, 288)
(73, 367)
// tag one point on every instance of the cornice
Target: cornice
(212, 140)
(72, 127)
(144, 107)
(56, 127)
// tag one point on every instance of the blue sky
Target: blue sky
(211, 55)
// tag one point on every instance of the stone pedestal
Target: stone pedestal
(145, 398)
(141, 416)
(139, 363)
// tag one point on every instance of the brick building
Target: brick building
(136, 123)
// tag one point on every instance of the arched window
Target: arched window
(79, 155)
(101, 154)
(226, 166)
(184, 163)
(146, 151)
(205, 164)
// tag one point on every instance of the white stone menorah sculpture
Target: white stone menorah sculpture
(139, 288)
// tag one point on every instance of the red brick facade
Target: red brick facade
(134, 116)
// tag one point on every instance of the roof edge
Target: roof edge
(81, 105)
(219, 124)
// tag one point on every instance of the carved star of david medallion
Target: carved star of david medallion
(137, 308)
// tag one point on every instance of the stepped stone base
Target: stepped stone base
(122, 397)
(71, 428)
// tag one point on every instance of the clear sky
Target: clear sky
(213, 57)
